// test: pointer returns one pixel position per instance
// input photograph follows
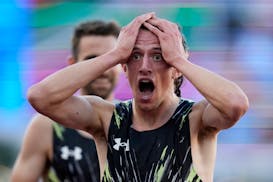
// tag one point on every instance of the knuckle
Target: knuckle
(137, 19)
(161, 24)
(165, 37)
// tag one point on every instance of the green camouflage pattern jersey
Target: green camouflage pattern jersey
(159, 155)
(74, 157)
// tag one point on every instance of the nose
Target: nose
(145, 67)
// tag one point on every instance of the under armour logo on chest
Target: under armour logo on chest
(76, 153)
(121, 144)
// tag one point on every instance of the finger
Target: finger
(148, 15)
(135, 24)
(138, 21)
(162, 24)
(152, 28)
(157, 22)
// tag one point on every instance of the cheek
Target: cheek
(131, 76)
(166, 79)
(162, 67)
(133, 65)
(132, 69)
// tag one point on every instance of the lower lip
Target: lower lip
(146, 96)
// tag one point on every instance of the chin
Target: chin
(99, 92)
(146, 105)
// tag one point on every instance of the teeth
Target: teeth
(145, 81)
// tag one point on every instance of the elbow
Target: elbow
(38, 97)
(238, 107)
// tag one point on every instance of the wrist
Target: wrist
(118, 56)
(178, 61)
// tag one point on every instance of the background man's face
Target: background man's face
(92, 46)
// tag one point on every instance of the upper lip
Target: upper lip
(145, 79)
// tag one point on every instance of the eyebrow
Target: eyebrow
(135, 48)
(157, 49)
(154, 49)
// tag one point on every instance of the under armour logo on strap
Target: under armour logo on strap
(76, 153)
(121, 144)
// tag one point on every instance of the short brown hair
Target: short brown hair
(95, 27)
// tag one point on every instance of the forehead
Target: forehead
(146, 38)
(95, 45)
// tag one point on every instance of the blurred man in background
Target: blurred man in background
(53, 152)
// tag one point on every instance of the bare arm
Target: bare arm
(34, 154)
(53, 96)
(225, 102)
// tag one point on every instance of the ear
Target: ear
(176, 73)
(71, 60)
(125, 69)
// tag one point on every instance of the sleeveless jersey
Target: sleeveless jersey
(74, 157)
(159, 155)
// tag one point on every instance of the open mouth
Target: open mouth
(146, 86)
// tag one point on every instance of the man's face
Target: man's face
(149, 75)
(92, 46)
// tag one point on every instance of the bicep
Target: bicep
(210, 118)
(75, 112)
(81, 112)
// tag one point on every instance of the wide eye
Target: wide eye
(157, 57)
(135, 56)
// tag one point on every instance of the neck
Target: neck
(144, 120)
(110, 98)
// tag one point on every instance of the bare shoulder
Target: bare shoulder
(197, 126)
(195, 116)
(40, 124)
(35, 150)
(104, 109)
(39, 132)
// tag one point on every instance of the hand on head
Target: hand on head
(169, 37)
(128, 35)
(167, 32)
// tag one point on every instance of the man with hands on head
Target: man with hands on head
(156, 136)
